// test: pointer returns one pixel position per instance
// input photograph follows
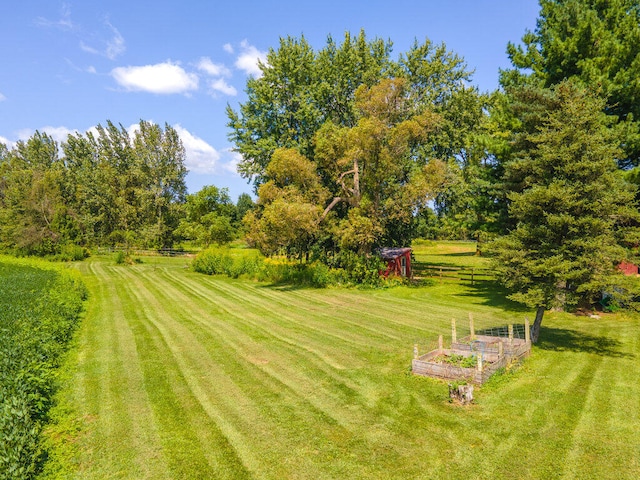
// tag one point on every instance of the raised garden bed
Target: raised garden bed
(473, 358)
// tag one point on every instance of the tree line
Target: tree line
(107, 187)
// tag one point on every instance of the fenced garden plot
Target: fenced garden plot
(475, 357)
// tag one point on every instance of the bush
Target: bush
(213, 262)
(71, 253)
(120, 258)
(39, 311)
(358, 269)
(346, 268)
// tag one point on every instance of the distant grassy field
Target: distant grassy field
(451, 254)
(180, 375)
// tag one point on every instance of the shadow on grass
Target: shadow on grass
(456, 254)
(564, 340)
(493, 294)
(288, 287)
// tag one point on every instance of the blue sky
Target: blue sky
(67, 66)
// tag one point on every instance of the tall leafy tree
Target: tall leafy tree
(572, 209)
(31, 196)
(595, 41)
(209, 216)
(290, 204)
(377, 167)
(298, 91)
(160, 158)
(309, 101)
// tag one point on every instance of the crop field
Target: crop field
(181, 375)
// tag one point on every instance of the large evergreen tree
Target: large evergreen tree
(571, 206)
(596, 42)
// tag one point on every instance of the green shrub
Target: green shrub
(71, 253)
(346, 268)
(120, 257)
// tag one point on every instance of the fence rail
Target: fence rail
(442, 272)
(167, 252)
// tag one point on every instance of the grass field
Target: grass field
(180, 375)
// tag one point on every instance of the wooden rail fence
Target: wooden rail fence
(441, 272)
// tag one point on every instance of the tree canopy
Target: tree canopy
(596, 42)
(377, 134)
(101, 187)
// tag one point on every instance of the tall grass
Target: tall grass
(343, 269)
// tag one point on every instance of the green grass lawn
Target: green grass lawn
(180, 375)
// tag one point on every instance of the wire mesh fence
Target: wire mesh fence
(470, 352)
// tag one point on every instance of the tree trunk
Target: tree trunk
(535, 333)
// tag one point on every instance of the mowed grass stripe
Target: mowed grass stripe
(111, 385)
(292, 312)
(372, 420)
(274, 323)
(189, 431)
(182, 376)
(280, 361)
(277, 434)
(307, 381)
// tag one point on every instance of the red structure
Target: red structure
(398, 261)
(628, 268)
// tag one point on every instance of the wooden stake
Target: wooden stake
(454, 334)
(471, 328)
(527, 331)
(415, 351)
(480, 363)
(500, 349)
(440, 343)
(510, 334)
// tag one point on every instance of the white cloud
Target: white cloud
(115, 46)
(91, 69)
(64, 23)
(227, 48)
(8, 143)
(162, 78)
(248, 60)
(221, 86)
(214, 69)
(59, 134)
(111, 49)
(2, 97)
(232, 165)
(201, 157)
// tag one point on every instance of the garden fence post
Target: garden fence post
(454, 334)
(479, 362)
(500, 349)
(527, 332)
(510, 334)
(440, 344)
